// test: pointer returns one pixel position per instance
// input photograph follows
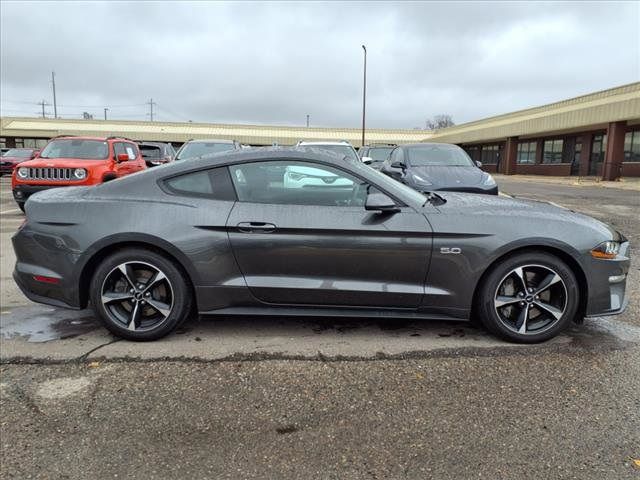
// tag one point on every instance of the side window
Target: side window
(131, 150)
(214, 183)
(297, 183)
(118, 148)
(124, 147)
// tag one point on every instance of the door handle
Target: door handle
(248, 227)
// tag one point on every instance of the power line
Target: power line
(53, 82)
(151, 103)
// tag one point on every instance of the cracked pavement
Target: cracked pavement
(321, 398)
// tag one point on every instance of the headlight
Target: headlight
(23, 172)
(489, 181)
(418, 180)
(607, 250)
(80, 173)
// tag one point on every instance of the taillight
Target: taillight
(45, 279)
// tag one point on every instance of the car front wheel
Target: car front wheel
(529, 297)
(140, 295)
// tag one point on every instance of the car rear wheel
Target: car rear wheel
(21, 206)
(140, 295)
(528, 298)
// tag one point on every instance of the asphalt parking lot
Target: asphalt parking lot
(287, 398)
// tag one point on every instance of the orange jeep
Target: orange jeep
(74, 161)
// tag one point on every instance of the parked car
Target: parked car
(375, 154)
(428, 167)
(341, 148)
(212, 236)
(13, 157)
(199, 148)
(156, 153)
(4, 150)
(74, 161)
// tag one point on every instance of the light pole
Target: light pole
(307, 121)
(105, 112)
(364, 92)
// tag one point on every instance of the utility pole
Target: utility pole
(307, 121)
(151, 104)
(105, 112)
(364, 92)
(43, 103)
(55, 104)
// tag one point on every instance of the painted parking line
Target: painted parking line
(10, 211)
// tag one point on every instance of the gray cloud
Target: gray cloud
(275, 63)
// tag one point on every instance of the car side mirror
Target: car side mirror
(478, 164)
(122, 157)
(400, 165)
(381, 203)
(367, 160)
(35, 154)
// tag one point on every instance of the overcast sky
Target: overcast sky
(275, 63)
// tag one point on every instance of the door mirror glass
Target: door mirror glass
(35, 154)
(478, 164)
(122, 157)
(380, 202)
(400, 165)
(367, 160)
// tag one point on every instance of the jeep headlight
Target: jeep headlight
(80, 173)
(607, 250)
(489, 181)
(23, 172)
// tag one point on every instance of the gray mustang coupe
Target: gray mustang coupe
(305, 232)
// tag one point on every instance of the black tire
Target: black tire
(563, 296)
(109, 279)
(21, 206)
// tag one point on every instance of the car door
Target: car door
(128, 166)
(311, 241)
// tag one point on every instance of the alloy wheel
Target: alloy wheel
(137, 295)
(530, 299)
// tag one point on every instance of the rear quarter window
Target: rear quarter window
(214, 183)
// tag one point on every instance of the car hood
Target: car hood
(14, 159)
(443, 176)
(61, 162)
(510, 208)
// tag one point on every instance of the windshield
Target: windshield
(18, 152)
(150, 151)
(441, 155)
(198, 149)
(76, 148)
(379, 154)
(346, 150)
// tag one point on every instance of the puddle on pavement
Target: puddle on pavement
(44, 324)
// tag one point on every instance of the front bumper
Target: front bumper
(607, 283)
(21, 192)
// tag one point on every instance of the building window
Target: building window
(526, 153)
(632, 146)
(552, 152)
(490, 154)
(473, 152)
(3, 142)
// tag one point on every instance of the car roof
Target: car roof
(422, 144)
(211, 140)
(303, 142)
(88, 137)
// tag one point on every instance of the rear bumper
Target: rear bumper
(44, 255)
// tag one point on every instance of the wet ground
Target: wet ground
(321, 398)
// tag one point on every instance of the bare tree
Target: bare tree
(87, 116)
(439, 121)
